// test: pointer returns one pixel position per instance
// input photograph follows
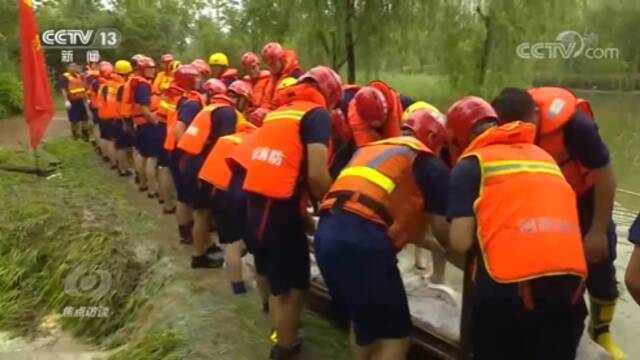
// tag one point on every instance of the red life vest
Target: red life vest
(379, 185)
(274, 168)
(107, 98)
(215, 169)
(557, 107)
(521, 236)
(362, 131)
(75, 87)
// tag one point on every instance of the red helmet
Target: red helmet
(135, 58)
(328, 82)
(464, 114)
(202, 66)
(186, 77)
(272, 52)
(145, 63)
(371, 105)
(167, 58)
(105, 68)
(339, 127)
(249, 60)
(425, 122)
(241, 88)
(215, 87)
(257, 116)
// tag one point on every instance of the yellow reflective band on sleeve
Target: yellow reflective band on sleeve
(294, 115)
(76, 90)
(233, 138)
(372, 175)
(167, 105)
(497, 168)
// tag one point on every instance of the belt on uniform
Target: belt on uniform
(343, 196)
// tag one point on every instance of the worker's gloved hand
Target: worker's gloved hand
(309, 225)
(67, 104)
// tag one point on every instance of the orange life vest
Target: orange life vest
(107, 95)
(379, 185)
(242, 153)
(362, 131)
(215, 169)
(75, 87)
(259, 87)
(162, 82)
(197, 134)
(134, 109)
(557, 107)
(522, 235)
(274, 168)
(168, 102)
(172, 115)
(230, 74)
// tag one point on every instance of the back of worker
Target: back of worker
(525, 259)
(73, 90)
(287, 164)
(567, 131)
(377, 204)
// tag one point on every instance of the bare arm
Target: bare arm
(148, 115)
(604, 191)
(317, 170)
(178, 130)
(462, 236)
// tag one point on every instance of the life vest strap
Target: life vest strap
(345, 195)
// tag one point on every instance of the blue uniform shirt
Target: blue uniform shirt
(406, 101)
(142, 94)
(187, 111)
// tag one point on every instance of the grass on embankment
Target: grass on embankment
(158, 309)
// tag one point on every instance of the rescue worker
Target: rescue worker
(220, 69)
(218, 119)
(73, 92)
(203, 68)
(213, 87)
(523, 259)
(189, 104)
(96, 84)
(169, 95)
(288, 165)
(147, 132)
(122, 128)
(380, 202)
(93, 80)
(438, 258)
(567, 131)
(228, 202)
(108, 109)
(632, 276)
(164, 77)
(282, 64)
(258, 79)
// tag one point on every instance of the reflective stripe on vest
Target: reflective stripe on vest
(378, 184)
(75, 87)
(498, 168)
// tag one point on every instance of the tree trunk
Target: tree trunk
(486, 51)
(349, 43)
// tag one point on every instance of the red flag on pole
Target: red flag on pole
(38, 105)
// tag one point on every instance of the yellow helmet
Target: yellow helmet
(286, 82)
(418, 105)
(123, 67)
(219, 59)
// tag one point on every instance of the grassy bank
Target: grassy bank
(83, 221)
